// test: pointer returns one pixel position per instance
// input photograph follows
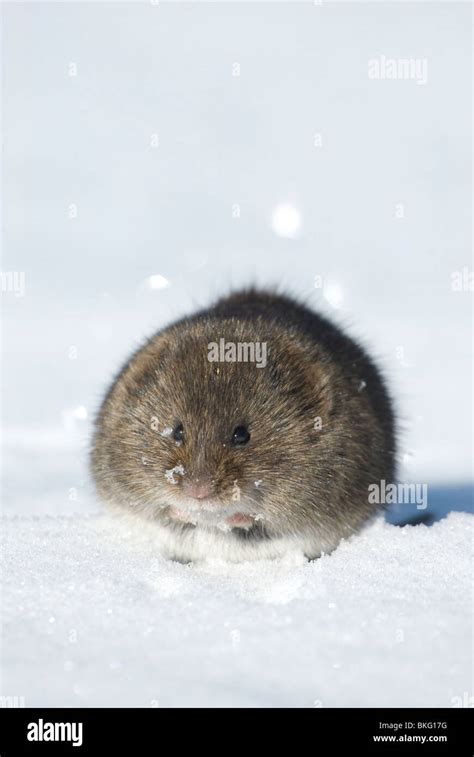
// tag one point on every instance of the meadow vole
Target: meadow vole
(244, 431)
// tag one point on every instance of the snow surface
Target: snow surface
(94, 617)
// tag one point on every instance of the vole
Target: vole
(244, 431)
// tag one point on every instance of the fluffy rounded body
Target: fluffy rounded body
(169, 444)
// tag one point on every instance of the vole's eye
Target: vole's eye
(178, 433)
(240, 436)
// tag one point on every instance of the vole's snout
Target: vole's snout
(199, 487)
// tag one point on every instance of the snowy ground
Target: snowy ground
(140, 179)
(92, 616)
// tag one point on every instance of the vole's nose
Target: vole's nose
(198, 488)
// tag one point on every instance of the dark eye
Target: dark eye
(240, 436)
(178, 433)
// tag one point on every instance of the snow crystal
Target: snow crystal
(286, 220)
(157, 281)
(170, 474)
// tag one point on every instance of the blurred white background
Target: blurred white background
(148, 149)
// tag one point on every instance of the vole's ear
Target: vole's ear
(142, 367)
(319, 389)
(308, 377)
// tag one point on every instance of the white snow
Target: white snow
(178, 470)
(93, 616)
(158, 282)
(286, 221)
